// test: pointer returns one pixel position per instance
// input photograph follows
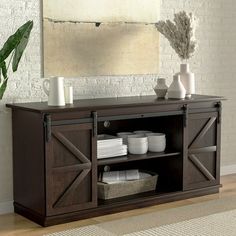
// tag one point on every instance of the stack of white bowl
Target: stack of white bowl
(141, 141)
(137, 144)
(156, 142)
(124, 136)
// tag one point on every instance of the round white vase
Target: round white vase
(176, 89)
(187, 79)
(161, 88)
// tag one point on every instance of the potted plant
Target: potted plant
(13, 50)
(181, 34)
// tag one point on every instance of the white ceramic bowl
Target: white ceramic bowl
(156, 136)
(137, 139)
(144, 132)
(138, 149)
(124, 136)
(136, 135)
(156, 142)
(157, 148)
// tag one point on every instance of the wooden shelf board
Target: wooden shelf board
(132, 157)
(136, 197)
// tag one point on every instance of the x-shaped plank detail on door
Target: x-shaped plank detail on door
(192, 151)
(85, 166)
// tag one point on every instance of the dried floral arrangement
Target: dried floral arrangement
(180, 33)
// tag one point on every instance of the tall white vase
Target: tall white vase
(187, 79)
(176, 89)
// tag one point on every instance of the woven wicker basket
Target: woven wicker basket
(109, 191)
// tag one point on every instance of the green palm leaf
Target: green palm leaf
(22, 45)
(3, 68)
(3, 72)
(22, 34)
(3, 88)
(15, 45)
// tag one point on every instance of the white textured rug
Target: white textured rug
(220, 224)
(211, 218)
(92, 230)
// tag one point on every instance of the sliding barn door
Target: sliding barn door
(71, 169)
(201, 161)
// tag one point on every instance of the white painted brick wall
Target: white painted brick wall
(213, 65)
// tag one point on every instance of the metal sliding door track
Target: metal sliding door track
(141, 115)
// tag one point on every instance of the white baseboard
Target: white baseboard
(228, 170)
(6, 207)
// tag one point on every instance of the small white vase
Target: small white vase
(161, 88)
(176, 89)
(187, 79)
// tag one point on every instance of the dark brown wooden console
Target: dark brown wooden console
(56, 167)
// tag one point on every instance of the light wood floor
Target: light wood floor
(13, 224)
